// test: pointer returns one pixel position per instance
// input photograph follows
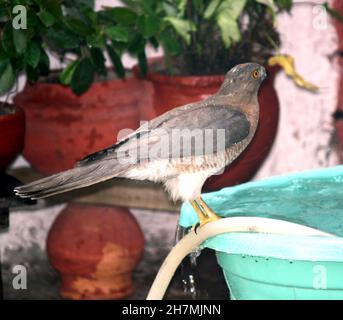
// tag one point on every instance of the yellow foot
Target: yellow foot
(204, 212)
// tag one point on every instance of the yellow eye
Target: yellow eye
(255, 74)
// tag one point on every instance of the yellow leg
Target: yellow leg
(204, 212)
(198, 210)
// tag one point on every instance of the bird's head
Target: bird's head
(243, 81)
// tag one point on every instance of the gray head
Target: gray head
(243, 80)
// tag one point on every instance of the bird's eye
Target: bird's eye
(255, 74)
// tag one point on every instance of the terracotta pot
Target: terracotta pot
(12, 131)
(62, 128)
(170, 92)
(95, 249)
(338, 5)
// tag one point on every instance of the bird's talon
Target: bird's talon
(196, 227)
(204, 222)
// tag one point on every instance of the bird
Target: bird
(181, 148)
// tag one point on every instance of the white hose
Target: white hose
(236, 224)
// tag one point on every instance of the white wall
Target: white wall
(305, 128)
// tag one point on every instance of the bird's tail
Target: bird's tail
(78, 177)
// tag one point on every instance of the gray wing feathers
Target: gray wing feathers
(201, 132)
(75, 178)
(178, 133)
(114, 161)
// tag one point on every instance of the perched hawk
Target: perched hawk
(180, 148)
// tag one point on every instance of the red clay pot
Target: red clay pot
(95, 249)
(170, 92)
(338, 5)
(12, 132)
(62, 128)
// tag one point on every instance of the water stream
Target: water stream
(190, 276)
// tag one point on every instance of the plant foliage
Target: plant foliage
(209, 36)
(71, 30)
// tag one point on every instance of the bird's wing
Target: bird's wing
(154, 138)
(194, 129)
(137, 134)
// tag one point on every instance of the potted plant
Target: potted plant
(201, 41)
(80, 108)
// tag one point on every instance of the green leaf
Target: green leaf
(18, 64)
(44, 63)
(117, 33)
(231, 8)
(20, 40)
(268, 3)
(148, 25)
(67, 74)
(148, 6)
(99, 61)
(32, 54)
(54, 7)
(33, 20)
(31, 74)
(83, 76)
(61, 38)
(78, 3)
(91, 15)
(119, 46)
(199, 6)
(169, 9)
(229, 29)
(3, 12)
(78, 26)
(143, 63)
(153, 41)
(39, 2)
(121, 15)
(46, 18)
(182, 27)
(7, 77)
(181, 7)
(96, 40)
(116, 60)
(7, 40)
(228, 12)
(136, 44)
(211, 9)
(3, 54)
(134, 4)
(170, 44)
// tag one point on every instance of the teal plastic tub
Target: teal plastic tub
(262, 278)
(302, 268)
(266, 266)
